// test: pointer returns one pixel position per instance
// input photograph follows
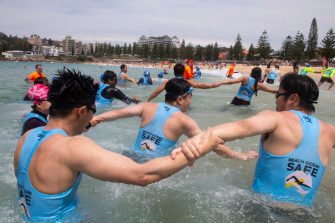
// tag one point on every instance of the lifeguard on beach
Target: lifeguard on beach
(231, 70)
(188, 73)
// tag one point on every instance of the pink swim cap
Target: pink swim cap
(38, 93)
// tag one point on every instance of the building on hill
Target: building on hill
(165, 40)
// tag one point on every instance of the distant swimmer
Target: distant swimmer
(37, 73)
(165, 71)
(38, 116)
(266, 72)
(123, 78)
(273, 75)
(307, 69)
(231, 70)
(107, 91)
(188, 73)
(146, 79)
(197, 73)
(163, 123)
(249, 86)
(295, 147)
(160, 78)
(50, 161)
(327, 76)
(179, 70)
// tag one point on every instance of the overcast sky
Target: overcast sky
(196, 21)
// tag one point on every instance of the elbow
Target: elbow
(143, 181)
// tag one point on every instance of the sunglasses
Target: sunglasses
(189, 92)
(282, 94)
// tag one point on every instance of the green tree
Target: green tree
(129, 49)
(134, 52)
(208, 52)
(168, 51)
(125, 49)
(146, 51)
(198, 53)
(299, 46)
(312, 41)
(263, 46)
(161, 51)
(189, 51)
(216, 52)
(251, 53)
(230, 53)
(154, 51)
(286, 51)
(238, 48)
(174, 52)
(328, 45)
(181, 50)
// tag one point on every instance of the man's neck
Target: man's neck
(61, 123)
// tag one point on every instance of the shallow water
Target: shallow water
(213, 190)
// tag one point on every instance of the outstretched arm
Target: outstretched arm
(86, 156)
(204, 85)
(265, 88)
(229, 153)
(156, 92)
(127, 112)
(233, 81)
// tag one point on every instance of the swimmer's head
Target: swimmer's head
(124, 68)
(178, 91)
(146, 74)
(303, 86)
(179, 70)
(256, 73)
(42, 80)
(72, 90)
(160, 75)
(108, 77)
(307, 65)
(197, 68)
(277, 66)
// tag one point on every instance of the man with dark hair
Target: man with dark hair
(107, 91)
(295, 146)
(123, 78)
(179, 70)
(57, 155)
(163, 123)
(36, 74)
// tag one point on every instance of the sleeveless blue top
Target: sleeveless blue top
(197, 74)
(34, 115)
(294, 177)
(39, 206)
(151, 141)
(273, 74)
(101, 101)
(245, 92)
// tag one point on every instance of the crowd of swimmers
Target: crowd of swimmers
(292, 157)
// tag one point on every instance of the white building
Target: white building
(165, 40)
(52, 51)
(13, 54)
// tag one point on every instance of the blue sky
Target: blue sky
(198, 21)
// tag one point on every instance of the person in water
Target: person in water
(146, 79)
(38, 116)
(178, 70)
(327, 76)
(294, 148)
(36, 74)
(57, 155)
(123, 78)
(197, 73)
(188, 73)
(160, 78)
(163, 123)
(107, 91)
(231, 70)
(249, 86)
(273, 75)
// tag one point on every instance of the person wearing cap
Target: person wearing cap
(162, 123)
(307, 69)
(179, 70)
(36, 74)
(39, 80)
(107, 91)
(160, 78)
(38, 116)
(188, 73)
(123, 78)
(146, 79)
(197, 72)
(295, 147)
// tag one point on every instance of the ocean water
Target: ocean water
(213, 190)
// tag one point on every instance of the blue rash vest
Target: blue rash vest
(294, 177)
(39, 206)
(245, 92)
(33, 115)
(101, 101)
(273, 74)
(151, 141)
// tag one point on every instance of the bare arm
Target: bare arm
(204, 85)
(86, 156)
(227, 152)
(232, 81)
(156, 92)
(127, 112)
(265, 88)
(130, 79)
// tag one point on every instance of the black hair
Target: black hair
(302, 85)
(108, 75)
(70, 90)
(176, 87)
(38, 65)
(256, 73)
(42, 80)
(269, 64)
(122, 66)
(277, 66)
(178, 70)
